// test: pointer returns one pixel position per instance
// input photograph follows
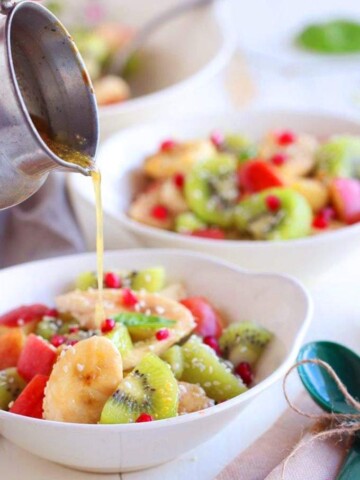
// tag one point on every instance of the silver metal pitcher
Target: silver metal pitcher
(42, 76)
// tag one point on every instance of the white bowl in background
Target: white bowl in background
(177, 60)
(122, 156)
(278, 303)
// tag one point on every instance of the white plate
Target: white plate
(278, 303)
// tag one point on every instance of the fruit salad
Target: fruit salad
(287, 185)
(99, 41)
(159, 353)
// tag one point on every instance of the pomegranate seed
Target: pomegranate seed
(245, 372)
(328, 213)
(144, 417)
(162, 334)
(57, 340)
(112, 280)
(129, 299)
(160, 212)
(212, 343)
(52, 312)
(108, 325)
(273, 203)
(278, 159)
(286, 138)
(320, 222)
(217, 139)
(168, 145)
(179, 180)
(71, 343)
(74, 329)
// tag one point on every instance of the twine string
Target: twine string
(332, 424)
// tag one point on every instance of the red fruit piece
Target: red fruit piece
(37, 357)
(286, 138)
(245, 372)
(345, 198)
(30, 401)
(179, 180)
(212, 233)
(22, 315)
(168, 145)
(11, 344)
(112, 280)
(57, 340)
(144, 417)
(257, 175)
(160, 212)
(217, 139)
(108, 325)
(208, 321)
(278, 159)
(273, 203)
(129, 299)
(162, 334)
(212, 343)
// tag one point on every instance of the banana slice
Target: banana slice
(82, 306)
(192, 398)
(82, 380)
(179, 160)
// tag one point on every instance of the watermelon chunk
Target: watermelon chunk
(11, 345)
(30, 401)
(257, 175)
(37, 357)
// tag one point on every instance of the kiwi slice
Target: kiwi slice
(121, 339)
(240, 146)
(203, 366)
(150, 388)
(244, 342)
(11, 385)
(291, 220)
(47, 328)
(86, 280)
(150, 279)
(211, 190)
(141, 326)
(174, 357)
(339, 157)
(188, 222)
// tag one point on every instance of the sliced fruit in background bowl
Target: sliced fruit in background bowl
(258, 175)
(345, 197)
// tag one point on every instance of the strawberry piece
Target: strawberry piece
(257, 175)
(37, 357)
(11, 345)
(30, 401)
(208, 321)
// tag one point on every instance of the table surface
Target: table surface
(336, 318)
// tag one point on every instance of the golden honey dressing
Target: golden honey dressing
(69, 154)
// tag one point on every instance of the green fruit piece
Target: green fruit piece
(240, 146)
(47, 328)
(150, 279)
(188, 222)
(141, 326)
(339, 157)
(203, 366)
(86, 280)
(174, 357)
(244, 342)
(211, 190)
(150, 388)
(11, 385)
(121, 339)
(292, 220)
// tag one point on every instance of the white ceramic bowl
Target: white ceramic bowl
(123, 154)
(178, 59)
(278, 303)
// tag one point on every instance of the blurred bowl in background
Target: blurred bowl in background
(180, 58)
(123, 155)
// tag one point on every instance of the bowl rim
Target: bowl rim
(181, 419)
(165, 235)
(226, 48)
